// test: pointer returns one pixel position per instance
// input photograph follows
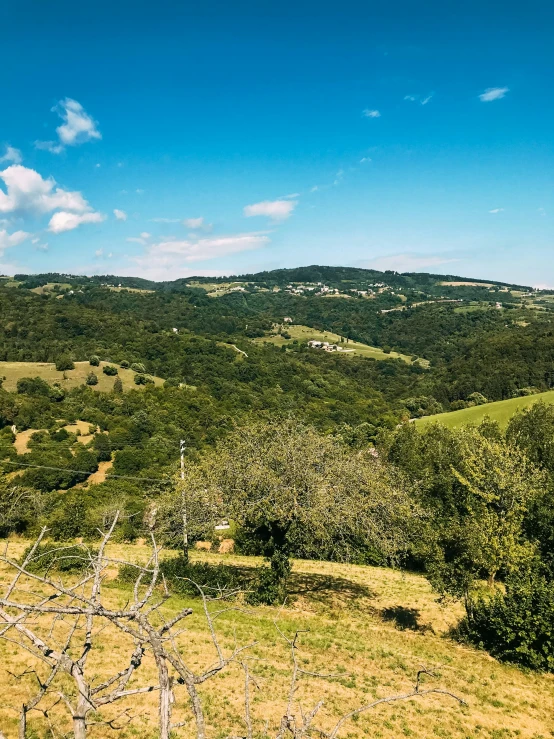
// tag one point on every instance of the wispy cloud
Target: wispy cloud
(367, 113)
(365, 160)
(120, 214)
(493, 93)
(11, 155)
(421, 99)
(277, 210)
(169, 259)
(64, 221)
(496, 210)
(77, 128)
(165, 220)
(193, 223)
(142, 239)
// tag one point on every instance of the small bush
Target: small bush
(118, 385)
(138, 367)
(517, 626)
(69, 558)
(94, 361)
(181, 576)
(110, 370)
(64, 363)
(270, 586)
(124, 364)
(143, 379)
(92, 379)
(172, 382)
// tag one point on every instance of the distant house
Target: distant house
(286, 319)
(325, 345)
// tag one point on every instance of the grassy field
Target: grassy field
(500, 411)
(373, 627)
(13, 371)
(305, 333)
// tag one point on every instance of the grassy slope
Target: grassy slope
(13, 371)
(500, 411)
(305, 333)
(343, 608)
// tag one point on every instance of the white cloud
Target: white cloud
(142, 239)
(542, 211)
(168, 259)
(193, 223)
(120, 214)
(139, 191)
(99, 253)
(12, 155)
(493, 93)
(14, 239)
(77, 127)
(50, 146)
(422, 100)
(365, 160)
(371, 113)
(277, 210)
(97, 166)
(64, 221)
(496, 210)
(28, 191)
(291, 196)
(42, 247)
(165, 220)
(405, 262)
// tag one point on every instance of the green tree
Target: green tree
(110, 370)
(94, 360)
(92, 379)
(64, 362)
(299, 491)
(118, 385)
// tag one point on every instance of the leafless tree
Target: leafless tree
(55, 623)
(60, 622)
(302, 724)
(35, 606)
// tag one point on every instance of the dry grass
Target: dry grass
(353, 616)
(14, 371)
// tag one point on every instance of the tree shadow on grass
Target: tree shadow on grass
(329, 591)
(405, 619)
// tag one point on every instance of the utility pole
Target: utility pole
(182, 448)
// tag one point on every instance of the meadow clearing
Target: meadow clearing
(14, 371)
(373, 627)
(501, 411)
(306, 333)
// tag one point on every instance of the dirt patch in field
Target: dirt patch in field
(22, 440)
(81, 428)
(101, 473)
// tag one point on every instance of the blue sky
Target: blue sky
(167, 139)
